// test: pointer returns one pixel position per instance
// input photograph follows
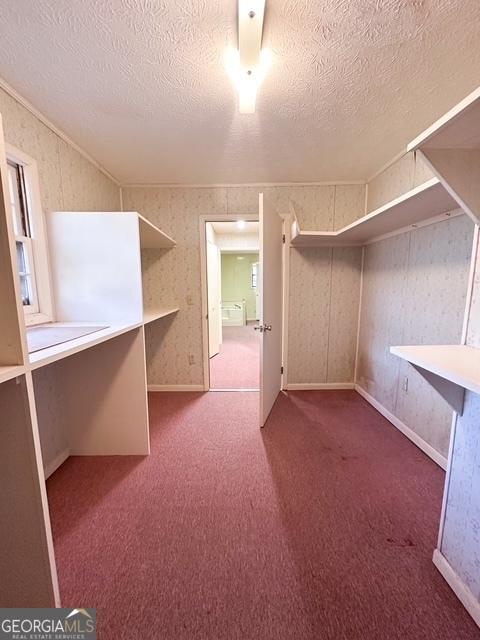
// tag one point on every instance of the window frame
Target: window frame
(36, 246)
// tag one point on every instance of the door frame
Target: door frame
(287, 233)
(203, 219)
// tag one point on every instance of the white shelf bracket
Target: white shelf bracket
(452, 393)
(459, 172)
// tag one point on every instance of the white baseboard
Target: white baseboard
(401, 426)
(56, 462)
(311, 386)
(175, 387)
(460, 589)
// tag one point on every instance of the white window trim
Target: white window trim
(39, 246)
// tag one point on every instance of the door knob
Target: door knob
(263, 327)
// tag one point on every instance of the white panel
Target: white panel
(106, 413)
(96, 267)
(27, 578)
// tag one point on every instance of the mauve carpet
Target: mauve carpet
(237, 365)
(321, 526)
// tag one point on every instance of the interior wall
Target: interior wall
(68, 181)
(177, 209)
(414, 292)
(236, 280)
(323, 314)
(461, 534)
(407, 172)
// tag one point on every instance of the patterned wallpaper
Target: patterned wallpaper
(67, 181)
(461, 535)
(175, 277)
(323, 314)
(406, 173)
(414, 292)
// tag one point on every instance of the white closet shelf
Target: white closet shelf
(151, 237)
(459, 128)
(450, 369)
(11, 371)
(421, 203)
(151, 315)
(57, 352)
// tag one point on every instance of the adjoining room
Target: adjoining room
(233, 289)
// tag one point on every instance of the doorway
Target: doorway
(233, 291)
(265, 268)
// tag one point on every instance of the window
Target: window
(23, 237)
(30, 239)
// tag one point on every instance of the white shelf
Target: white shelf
(151, 237)
(457, 363)
(459, 128)
(450, 369)
(11, 371)
(152, 315)
(57, 352)
(422, 203)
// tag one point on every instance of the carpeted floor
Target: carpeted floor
(237, 366)
(321, 526)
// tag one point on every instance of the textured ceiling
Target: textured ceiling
(141, 84)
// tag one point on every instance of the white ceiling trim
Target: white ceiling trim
(204, 185)
(61, 134)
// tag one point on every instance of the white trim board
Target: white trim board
(226, 185)
(234, 390)
(460, 589)
(401, 426)
(320, 386)
(52, 466)
(174, 387)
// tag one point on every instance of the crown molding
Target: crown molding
(58, 132)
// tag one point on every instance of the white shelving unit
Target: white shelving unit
(451, 147)
(410, 209)
(100, 386)
(449, 368)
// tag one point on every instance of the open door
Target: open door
(271, 240)
(214, 297)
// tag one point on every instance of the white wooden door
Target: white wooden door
(214, 306)
(271, 233)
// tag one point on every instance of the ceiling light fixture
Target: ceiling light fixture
(248, 65)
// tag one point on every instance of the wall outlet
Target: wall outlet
(405, 384)
(191, 358)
